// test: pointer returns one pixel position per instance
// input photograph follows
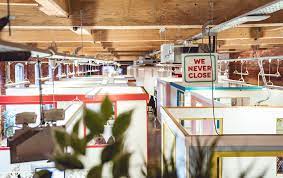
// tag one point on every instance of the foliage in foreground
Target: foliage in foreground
(69, 148)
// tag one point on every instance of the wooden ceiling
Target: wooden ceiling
(126, 29)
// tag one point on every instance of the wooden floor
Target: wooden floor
(154, 147)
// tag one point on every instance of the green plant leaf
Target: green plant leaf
(95, 172)
(94, 122)
(89, 137)
(107, 153)
(111, 151)
(76, 128)
(107, 108)
(79, 145)
(43, 174)
(121, 166)
(121, 124)
(62, 138)
(67, 161)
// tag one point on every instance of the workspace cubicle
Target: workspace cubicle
(123, 98)
(248, 135)
(180, 95)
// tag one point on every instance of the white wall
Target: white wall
(240, 120)
(233, 167)
(173, 96)
(147, 77)
(237, 120)
(26, 169)
(255, 96)
(136, 136)
(173, 138)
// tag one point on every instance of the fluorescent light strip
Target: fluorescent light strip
(258, 14)
(268, 8)
(237, 21)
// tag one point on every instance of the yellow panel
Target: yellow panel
(240, 154)
(167, 134)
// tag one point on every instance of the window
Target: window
(37, 69)
(60, 71)
(19, 74)
(180, 98)
(203, 126)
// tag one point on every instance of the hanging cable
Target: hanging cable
(53, 84)
(40, 93)
(212, 84)
(212, 49)
(9, 16)
(82, 39)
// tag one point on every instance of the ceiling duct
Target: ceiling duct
(17, 52)
(147, 61)
(15, 56)
(171, 53)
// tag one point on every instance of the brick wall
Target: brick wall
(253, 68)
(12, 71)
(2, 78)
(44, 69)
(31, 73)
(55, 74)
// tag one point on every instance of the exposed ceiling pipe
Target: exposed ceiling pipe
(10, 47)
(6, 46)
(253, 59)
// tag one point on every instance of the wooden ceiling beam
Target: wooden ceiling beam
(133, 44)
(58, 8)
(86, 44)
(248, 42)
(246, 47)
(44, 36)
(142, 48)
(142, 35)
(127, 58)
(110, 37)
(18, 3)
(136, 27)
(140, 13)
(247, 33)
(85, 50)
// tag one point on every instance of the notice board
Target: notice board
(199, 67)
